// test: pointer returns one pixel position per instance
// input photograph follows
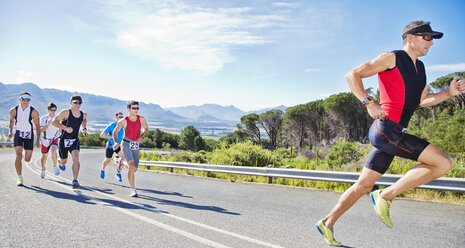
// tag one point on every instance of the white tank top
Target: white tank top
(22, 119)
(51, 130)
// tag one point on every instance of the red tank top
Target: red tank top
(133, 128)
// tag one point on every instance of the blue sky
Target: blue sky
(250, 54)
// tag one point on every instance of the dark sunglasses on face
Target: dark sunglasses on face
(121, 117)
(76, 102)
(135, 108)
(25, 100)
(52, 110)
(426, 37)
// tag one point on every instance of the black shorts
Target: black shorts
(22, 139)
(109, 152)
(67, 145)
(389, 139)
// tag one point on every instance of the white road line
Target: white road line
(137, 216)
(252, 240)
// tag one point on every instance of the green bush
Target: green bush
(342, 153)
(242, 154)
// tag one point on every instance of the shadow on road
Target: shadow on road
(177, 203)
(61, 195)
(155, 191)
(82, 198)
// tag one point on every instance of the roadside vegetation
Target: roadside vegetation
(329, 134)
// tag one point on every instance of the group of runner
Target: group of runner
(60, 134)
(403, 88)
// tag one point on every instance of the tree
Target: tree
(234, 137)
(271, 122)
(295, 122)
(249, 125)
(190, 139)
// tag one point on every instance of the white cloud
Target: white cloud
(26, 76)
(285, 4)
(312, 70)
(188, 37)
(447, 68)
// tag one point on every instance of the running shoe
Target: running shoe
(102, 174)
(76, 184)
(20, 181)
(134, 193)
(62, 167)
(327, 234)
(118, 177)
(42, 174)
(57, 171)
(381, 207)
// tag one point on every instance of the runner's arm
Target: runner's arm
(144, 126)
(12, 122)
(457, 87)
(35, 118)
(84, 125)
(105, 135)
(63, 115)
(368, 69)
(120, 124)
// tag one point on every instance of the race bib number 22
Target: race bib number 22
(69, 142)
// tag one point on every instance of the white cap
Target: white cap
(25, 96)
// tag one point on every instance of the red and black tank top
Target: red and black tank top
(132, 128)
(401, 88)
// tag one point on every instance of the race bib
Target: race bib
(25, 135)
(46, 142)
(133, 145)
(69, 142)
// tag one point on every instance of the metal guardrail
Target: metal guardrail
(443, 183)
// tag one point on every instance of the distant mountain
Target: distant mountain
(228, 113)
(98, 108)
(280, 107)
(208, 111)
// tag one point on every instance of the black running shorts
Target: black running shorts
(389, 139)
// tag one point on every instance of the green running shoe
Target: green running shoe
(381, 207)
(327, 234)
(20, 181)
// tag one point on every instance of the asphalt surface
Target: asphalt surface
(184, 211)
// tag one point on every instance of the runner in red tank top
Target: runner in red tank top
(133, 128)
(402, 89)
(132, 124)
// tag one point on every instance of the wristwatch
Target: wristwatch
(366, 100)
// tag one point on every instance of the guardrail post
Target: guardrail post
(171, 169)
(270, 179)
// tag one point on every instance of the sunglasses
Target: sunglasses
(135, 108)
(25, 100)
(121, 117)
(52, 110)
(426, 37)
(78, 103)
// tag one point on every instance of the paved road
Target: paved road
(183, 211)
